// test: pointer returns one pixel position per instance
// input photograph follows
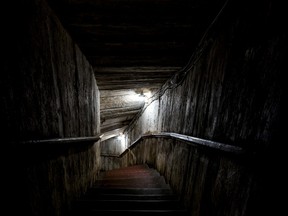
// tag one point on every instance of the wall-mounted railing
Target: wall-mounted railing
(111, 161)
(202, 172)
(63, 140)
(197, 142)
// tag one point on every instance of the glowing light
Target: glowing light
(139, 96)
(121, 137)
(136, 98)
(147, 94)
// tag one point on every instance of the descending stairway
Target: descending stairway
(134, 190)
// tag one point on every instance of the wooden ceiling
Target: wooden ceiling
(134, 45)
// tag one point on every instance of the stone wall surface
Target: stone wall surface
(209, 182)
(48, 90)
(234, 93)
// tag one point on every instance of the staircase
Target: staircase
(134, 190)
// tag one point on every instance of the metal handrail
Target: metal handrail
(189, 140)
(62, 140)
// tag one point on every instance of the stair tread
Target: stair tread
(134, 211)
(131, 171)
(131, 174)
(127, 200)
(117, 196)
(139, 210)
(130, 180)
(130, 190)
(132, 185)
(129, 204)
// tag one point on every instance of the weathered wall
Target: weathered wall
(110, 150)
(208, 181)
(233, 94)
(48, 90)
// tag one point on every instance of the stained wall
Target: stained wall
(48, 91)
(234, 93)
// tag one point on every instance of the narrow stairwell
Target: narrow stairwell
(134, 190)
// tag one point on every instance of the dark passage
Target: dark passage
(133, 190)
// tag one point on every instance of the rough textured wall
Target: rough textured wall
(207, 181)
(50, 177)
(110, 150)
(234, 93)
(113, 146)
(49, 83)
(48, 90)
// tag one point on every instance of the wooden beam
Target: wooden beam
(140, 70)
(124, 60)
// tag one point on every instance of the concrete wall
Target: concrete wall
(233, 94)
(48, 90)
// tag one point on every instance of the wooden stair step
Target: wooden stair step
(151, 182)
(135, 190)
(128, 204)
(143, 191)
(132, 212)
(129, 196)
